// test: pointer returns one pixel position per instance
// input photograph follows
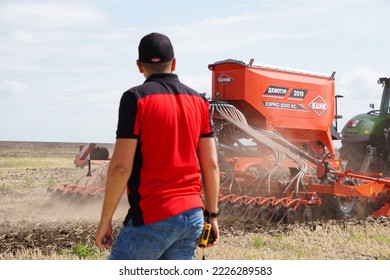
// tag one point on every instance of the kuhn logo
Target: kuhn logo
(318, 105)
(224, 79)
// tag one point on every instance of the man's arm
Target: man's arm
(119, 171)
(208, 161)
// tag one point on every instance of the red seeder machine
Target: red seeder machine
(274, 131)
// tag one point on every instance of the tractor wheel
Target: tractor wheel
(354, 153)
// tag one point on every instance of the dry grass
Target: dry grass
(315, 241)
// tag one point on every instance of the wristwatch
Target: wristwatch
(211, 214)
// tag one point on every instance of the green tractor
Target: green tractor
(365, 143)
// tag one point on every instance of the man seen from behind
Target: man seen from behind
(165, 157)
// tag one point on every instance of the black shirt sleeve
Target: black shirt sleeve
(127, 116)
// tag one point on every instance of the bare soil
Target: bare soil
(30, 217)
(31, 220)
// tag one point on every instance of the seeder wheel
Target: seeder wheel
(278, 214)
(291, 216)
(265, 214)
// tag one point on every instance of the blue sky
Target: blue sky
(65, 64)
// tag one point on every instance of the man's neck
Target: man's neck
(148, 74)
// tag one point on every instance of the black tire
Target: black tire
(278, 214)
(354, 153)
(345, 207)
(339, 207)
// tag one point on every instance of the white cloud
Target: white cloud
(359, 83)
(18, 37)
(49, 15)
(252, 28)
(119, 35)
(200, 83)
(219, 33)
(12, 88)
(19, 48)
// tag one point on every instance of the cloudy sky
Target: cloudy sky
(65, 64)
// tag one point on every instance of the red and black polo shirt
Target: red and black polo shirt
(168, 118)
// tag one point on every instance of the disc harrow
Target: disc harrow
(89, 187)
(267, 209)
(79, 192)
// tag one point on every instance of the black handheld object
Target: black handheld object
(207, 236)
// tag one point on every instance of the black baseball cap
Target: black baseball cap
(155, 48)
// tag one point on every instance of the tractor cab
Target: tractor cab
(365, 143)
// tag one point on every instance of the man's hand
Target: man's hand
(103, 235)
(215, 229)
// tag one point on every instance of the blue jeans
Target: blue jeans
(175, 238)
